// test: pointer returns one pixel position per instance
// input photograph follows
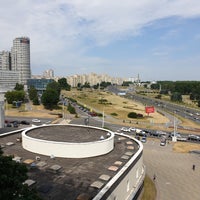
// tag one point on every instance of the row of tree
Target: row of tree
(101, 85)
(179, 88)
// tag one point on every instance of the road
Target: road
(183, 111)
(175, 178)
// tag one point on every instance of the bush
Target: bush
(114, 114)
(132, 115)
(71, 109)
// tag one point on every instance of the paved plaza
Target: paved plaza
(175, 178)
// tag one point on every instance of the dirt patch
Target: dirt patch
(36, 111)
(183, 147)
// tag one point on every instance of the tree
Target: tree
(54, 85)
(155, 86)
(79, 86)
(32, 92)
(127, 83)
(50, 98)
(19, 87)
(12, 177)
(86, 85)
(36, 101)
(15, 96)
(63, 84)
(71, 109)
(176, 96)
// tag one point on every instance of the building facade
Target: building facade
(20, 58)
(39, 84)
(93, 79)
(5, 60)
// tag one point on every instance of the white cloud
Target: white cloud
(60, 30)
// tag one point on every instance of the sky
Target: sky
(157, 39)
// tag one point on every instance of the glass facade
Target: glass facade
(39, 84)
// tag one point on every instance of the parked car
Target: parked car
(144, 139)
(193, 137)
(15, 124)
(24, 122)
(163, 142)
(36, 120)
(8, 125)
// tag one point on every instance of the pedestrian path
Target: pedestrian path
(176, 178)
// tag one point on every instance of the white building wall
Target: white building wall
(9, 79)
(129, 186)
(65, 149)
(131, 183)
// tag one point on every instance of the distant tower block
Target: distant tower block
(20, 57)
(2, 112)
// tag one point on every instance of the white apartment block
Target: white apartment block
(48, 73)
(93, 79)
(5, 60)
(20, 58)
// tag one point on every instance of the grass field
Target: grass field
(119, 107)
(113, 104)
(183, 147)
(149, 192)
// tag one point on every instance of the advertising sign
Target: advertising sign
(149, 109)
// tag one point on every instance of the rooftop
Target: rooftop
(67, 178)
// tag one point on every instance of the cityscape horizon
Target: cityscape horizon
(157, 40)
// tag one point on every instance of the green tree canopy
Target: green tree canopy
(19, 87)
(63, 84)
(176, 96)
(54, 85)
(15, 96)
(32, 92)
(12, 176)
(86, 85)
(50, 98)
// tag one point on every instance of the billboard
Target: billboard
(149, 109)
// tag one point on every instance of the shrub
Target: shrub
(71, 109)
(135, 115)
(132, 115)
(114, 114)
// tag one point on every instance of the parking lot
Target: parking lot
(175, 178)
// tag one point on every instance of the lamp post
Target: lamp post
(174, 138)
(63, 104)
(103, 118)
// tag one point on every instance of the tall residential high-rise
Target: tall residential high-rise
(5, 60)
(20, 58)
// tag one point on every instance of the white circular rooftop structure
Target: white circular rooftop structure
(68, 141)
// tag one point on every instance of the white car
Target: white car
(36, 120)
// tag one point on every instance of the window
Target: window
(128, 186)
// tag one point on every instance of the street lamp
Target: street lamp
(174, 138)
(63, 104)
(103, 118)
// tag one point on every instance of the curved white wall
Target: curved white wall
(65, 149)
(131, 183)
